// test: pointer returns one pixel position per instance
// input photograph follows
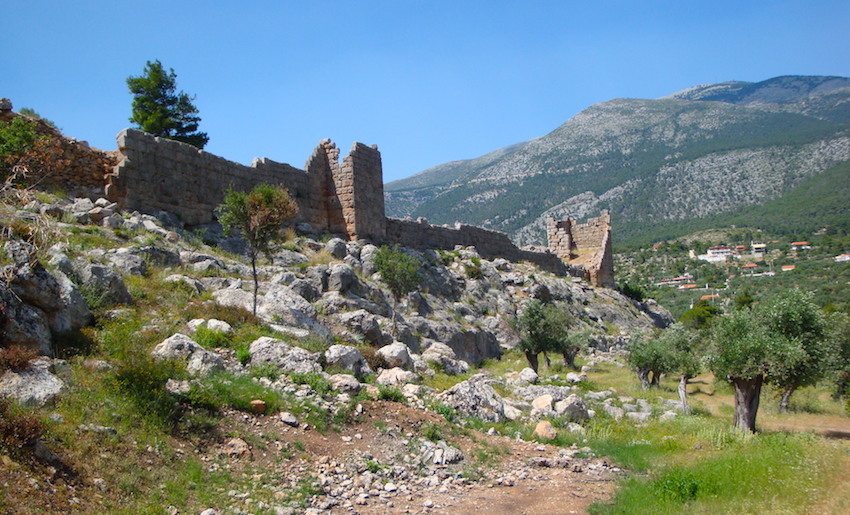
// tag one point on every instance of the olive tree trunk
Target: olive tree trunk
(786, 398)
(532, 360)
(683, 393)
(643, 377)
(747, 396)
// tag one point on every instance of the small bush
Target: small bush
(210, 338)
(16, 357)
(18, 428)
(432, 432)
(316, 381)
(142, 379)
(391, 393)
(226, 390)
(375, 360)
(446, 411)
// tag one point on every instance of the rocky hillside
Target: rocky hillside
(158, 390)
(699, 152)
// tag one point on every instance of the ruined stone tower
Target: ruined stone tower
(587, 244)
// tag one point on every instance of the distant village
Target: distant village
(756, 252)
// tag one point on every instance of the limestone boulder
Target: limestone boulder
(475, 398)
(336, 247)
(345, 383)
(199, 361)
(347, 358)
(341, 278)
(367, 259)
(365, 323)
(396, 354)
(528, 376)
(545, 431)
(35, 385)
(574, 408)
(276, 352)
(396, 377)
(103, 282)
(196, 285)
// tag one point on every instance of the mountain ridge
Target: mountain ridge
(646, 160)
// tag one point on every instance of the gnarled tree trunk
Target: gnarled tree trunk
(683, 393)
(747, 396)
(532, 360)
(643, 377)
(786, 398)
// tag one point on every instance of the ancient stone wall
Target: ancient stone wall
(63, 163)
(160, 174)
(360, 190)
(345, 198)
(419, 234)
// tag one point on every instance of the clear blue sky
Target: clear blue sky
(427, 81)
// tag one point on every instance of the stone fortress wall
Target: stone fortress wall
(342, 197)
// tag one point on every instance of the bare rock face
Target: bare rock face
(35, 385)
(285, 357)
(475, 398)
(104, 281)
(279, 305)
(38, 305)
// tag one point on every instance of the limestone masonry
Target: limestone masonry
(588, 243)
(345, 198)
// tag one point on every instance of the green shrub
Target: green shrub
(391, 393)
(315, 380)
(142, 379)
(210, 338)
(432, 432)
(446, 411)
(227, 390)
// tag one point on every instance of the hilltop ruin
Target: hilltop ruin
(149, 174)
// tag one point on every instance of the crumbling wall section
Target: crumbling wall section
(588, 243)
(360, 192)
(64, 163)
(419, 234)
(161, 174)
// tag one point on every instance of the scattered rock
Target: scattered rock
(545, 430)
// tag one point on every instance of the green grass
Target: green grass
(745, 478)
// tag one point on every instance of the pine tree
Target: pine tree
(162, 111)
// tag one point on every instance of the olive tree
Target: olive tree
(794, 316)
(259, 215)
(651, 357)
(546, 327)
(746, 353)
(687, 357)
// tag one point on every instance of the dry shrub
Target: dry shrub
(17, 427)
(375, 360)
(16, 357)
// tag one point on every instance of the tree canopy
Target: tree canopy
(259, 216)
(158, 108)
